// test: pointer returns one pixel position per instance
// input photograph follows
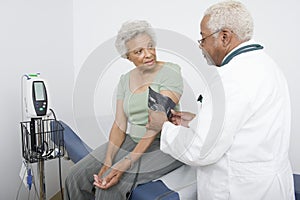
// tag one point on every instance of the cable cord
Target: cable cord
(20, 185)
(53, 113)
(60, 179)
(128, 195)
(33, 183)
(59, 163)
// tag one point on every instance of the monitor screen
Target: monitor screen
(39, 91)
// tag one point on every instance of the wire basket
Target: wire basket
(42, 140)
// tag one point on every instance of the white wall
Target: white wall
(276, 27)
(35, 36)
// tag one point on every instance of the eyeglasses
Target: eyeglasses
(203, 39)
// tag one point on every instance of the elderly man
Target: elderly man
(248, 157)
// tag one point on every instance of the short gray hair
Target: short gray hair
(232, 15)
(130, 30)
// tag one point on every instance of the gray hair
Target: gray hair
(232, 15)
(130, 30)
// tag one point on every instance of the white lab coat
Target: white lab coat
(249, 161)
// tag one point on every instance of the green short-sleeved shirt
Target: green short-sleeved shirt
(136, 105)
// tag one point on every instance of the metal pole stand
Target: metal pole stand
(42, 180)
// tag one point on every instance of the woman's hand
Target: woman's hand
(114, 175)
(103, 169)
(182, 118)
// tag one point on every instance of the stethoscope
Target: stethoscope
(244, 49)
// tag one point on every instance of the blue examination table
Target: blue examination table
(157, 190)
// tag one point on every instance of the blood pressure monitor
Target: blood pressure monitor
(35, 97)
(39, 96)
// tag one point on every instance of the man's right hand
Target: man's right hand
(182, 118)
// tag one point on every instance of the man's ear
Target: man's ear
(226, 35)
(128, 58)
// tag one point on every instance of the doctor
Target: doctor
(248, 158)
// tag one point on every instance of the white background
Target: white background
(56, 37)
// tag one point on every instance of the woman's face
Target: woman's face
(141, 51)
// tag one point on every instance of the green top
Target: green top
(136, 105)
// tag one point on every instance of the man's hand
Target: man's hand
(156, 120)
(182, 118)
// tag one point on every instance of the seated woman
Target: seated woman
(112, 170)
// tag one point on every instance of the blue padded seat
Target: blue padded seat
(153, 190)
